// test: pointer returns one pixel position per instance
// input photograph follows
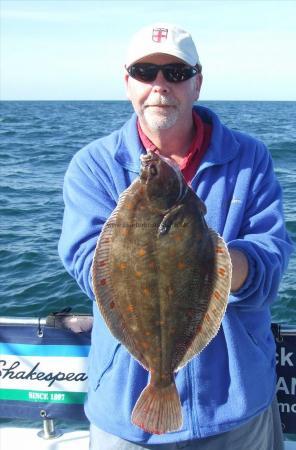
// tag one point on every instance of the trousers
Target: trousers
(263, 432)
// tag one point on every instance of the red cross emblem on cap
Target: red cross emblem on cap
(159, 34)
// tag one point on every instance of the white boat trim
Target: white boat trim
(13, 437)
(28, 439)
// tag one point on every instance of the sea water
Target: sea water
(38, 140)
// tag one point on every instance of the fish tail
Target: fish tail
(158, 409)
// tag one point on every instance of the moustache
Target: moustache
(160, 100)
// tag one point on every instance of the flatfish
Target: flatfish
(161, 279)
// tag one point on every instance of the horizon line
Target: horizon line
(128, 101)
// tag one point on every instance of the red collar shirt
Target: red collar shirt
(196, 151)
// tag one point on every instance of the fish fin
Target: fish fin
(158, 409)
(211, 322)
(102, 286)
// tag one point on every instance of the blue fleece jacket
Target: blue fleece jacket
(233, 378)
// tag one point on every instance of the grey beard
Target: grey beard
(160, 122)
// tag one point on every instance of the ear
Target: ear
(126, 78)
(198, 81)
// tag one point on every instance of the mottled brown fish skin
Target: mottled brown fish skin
(161, 278)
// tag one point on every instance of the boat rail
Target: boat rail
(66, 320)
(75, 322)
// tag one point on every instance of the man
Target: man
(228, 391)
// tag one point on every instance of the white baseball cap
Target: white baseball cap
(162, 38)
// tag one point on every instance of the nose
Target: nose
(160, 85)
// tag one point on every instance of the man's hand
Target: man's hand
(240, 269)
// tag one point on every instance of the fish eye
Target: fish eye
(153, 169)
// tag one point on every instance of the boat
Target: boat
(43, 378)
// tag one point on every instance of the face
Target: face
(160, 104)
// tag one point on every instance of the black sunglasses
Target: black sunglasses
(174, 73)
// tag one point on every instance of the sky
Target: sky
(75, 50)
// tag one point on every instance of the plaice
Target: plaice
(161, 279)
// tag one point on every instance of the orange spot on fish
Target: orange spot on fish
(124, 232)
(129, 205)
(146, 291)
(221, 271)
(217, 295)
(142, 252)
(145, 344)
(178, 237)
(147, 333)
(181, 265)
(159, 322)
(138, 274)
(130, 308)
(122, 266)
(103, 282)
